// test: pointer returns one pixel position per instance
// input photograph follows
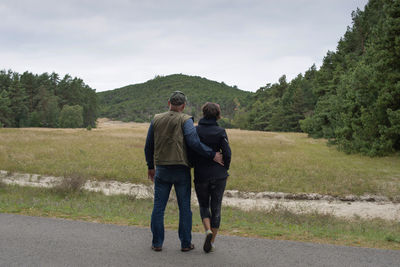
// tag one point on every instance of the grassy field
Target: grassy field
(123, 210)
(262, 161)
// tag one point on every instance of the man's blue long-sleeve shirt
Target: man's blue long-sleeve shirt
(191, 138)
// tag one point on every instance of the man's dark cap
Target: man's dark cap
(177, 98)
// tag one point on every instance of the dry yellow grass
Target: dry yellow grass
(292, 162)
(262, 161)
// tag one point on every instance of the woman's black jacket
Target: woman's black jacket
(215, 137)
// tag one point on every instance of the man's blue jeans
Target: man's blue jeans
(165, 177)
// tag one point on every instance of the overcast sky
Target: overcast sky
(110, 44)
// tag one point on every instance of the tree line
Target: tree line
(353, 99)
(32, 100)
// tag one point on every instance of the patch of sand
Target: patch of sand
(367, 207)
(107, 123)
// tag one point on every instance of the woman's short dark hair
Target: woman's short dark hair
(211, 110)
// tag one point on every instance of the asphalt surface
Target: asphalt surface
(36, 241)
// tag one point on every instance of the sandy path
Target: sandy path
(367, 207)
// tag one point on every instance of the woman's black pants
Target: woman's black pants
(210, 195)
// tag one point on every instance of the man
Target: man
(166, 141)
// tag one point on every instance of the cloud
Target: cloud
(110, 44)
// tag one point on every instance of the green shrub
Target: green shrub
(71, 116)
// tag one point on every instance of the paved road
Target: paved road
(35, 241)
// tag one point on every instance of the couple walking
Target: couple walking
(173, 145)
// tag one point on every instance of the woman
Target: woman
(209, 176)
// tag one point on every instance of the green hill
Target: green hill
(139, 102)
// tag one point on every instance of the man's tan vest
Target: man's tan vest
(169, 142)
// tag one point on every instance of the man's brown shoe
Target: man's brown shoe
(187, 249)
(156, 248)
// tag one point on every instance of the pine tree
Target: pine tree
(18, 101)
(5, 111)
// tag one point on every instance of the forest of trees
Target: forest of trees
(353, 99)
(279, 107)
(139, 102)
(31, 100)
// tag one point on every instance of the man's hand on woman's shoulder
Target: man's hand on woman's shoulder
(218, 158)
